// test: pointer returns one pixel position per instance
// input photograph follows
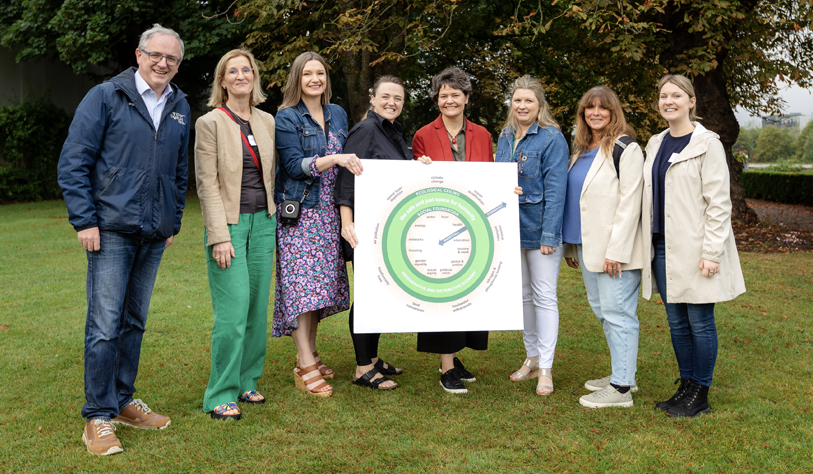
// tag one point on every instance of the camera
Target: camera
(290, 212)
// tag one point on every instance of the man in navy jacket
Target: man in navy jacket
(123, 172)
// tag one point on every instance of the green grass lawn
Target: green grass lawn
(761, 417)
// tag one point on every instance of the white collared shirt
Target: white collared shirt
(155, 106)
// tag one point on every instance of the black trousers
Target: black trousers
(365, 345)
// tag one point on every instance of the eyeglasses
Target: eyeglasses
(246, 71)
(156, 58)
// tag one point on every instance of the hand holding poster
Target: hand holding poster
(438, 247)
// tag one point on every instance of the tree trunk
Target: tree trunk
(714, 106)
(713, 102)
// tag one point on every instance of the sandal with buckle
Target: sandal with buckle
(219, 412)
(326, 371)
(533, 365)
(543, 388)
(388, 370)
(368, 380)
(246, 397)
(308, 379)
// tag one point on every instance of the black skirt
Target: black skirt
(451, 342)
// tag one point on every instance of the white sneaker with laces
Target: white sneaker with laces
(598, 384)
(607, 397)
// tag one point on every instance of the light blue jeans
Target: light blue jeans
(614, 302)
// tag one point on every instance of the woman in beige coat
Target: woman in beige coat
(602, 235)
(234, 166)
(693, 256)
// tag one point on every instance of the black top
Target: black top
(252, 189)
(373, 138)
(669, 146)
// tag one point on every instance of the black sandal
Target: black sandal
(246, 397)
(366, 380)
(219, 412)
(389, 370)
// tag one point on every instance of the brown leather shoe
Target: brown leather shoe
(138, 415)
(99, 437)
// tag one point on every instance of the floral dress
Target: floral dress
(311, 274)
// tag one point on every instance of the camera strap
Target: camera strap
(245, 140)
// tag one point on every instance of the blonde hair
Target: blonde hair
(292, 92)
(544, 118)
(618, 125)
(683, 84)
(219, 93)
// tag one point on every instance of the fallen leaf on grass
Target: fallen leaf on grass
(39, 428)
(3, 326)
(765, 445)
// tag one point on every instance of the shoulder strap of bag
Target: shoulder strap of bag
(245, 140)
(621, 144)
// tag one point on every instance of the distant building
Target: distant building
(793, 121)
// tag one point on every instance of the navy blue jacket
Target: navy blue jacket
(300, 139)
(116, 171)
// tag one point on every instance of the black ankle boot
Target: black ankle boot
(676, 398)
(695, 402)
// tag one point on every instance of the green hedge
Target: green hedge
(789, 188)
(31, 138)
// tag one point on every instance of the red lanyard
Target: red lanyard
(245, 140)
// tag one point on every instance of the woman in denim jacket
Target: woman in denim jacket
(311, 277)
(531, 138)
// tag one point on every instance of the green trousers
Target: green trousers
(240, 304)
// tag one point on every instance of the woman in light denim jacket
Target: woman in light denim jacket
(311, 279)
(532, 139)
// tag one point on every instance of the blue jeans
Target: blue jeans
(694, 334)
(615, 302)
(120, 278)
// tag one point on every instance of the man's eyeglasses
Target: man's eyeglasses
(246, 71)
(156, 58)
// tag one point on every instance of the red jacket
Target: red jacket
(433, 141)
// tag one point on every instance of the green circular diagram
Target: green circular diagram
(437, 245)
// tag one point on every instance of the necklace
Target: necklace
(454, 140)
(244, 122)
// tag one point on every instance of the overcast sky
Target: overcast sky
(798, 101)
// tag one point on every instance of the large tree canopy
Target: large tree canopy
(106, 32)
(738, 52)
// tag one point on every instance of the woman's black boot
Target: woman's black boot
(676, 398)
(695, 402)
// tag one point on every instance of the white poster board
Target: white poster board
(438, 247)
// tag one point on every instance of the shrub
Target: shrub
(789, 188)
(31, 138)
(773, 145)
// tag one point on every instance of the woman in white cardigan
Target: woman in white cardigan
(602, 235)
(690, 243)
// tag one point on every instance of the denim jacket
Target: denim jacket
(299, 139)
(541, 158)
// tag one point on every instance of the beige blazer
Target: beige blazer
(697, 222)
(610, 211)
(219, 168)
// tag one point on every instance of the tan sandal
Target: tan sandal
(308, 379)
(533, 365)
(326, 371)
(543, 388)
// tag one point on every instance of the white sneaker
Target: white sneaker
(607, 397)
(598, 384)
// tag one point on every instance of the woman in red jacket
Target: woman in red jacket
(452, 138)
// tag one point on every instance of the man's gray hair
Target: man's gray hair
(159, 30)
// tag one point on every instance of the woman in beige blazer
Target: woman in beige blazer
(603, 237)
(234, 166)
(690, 243)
